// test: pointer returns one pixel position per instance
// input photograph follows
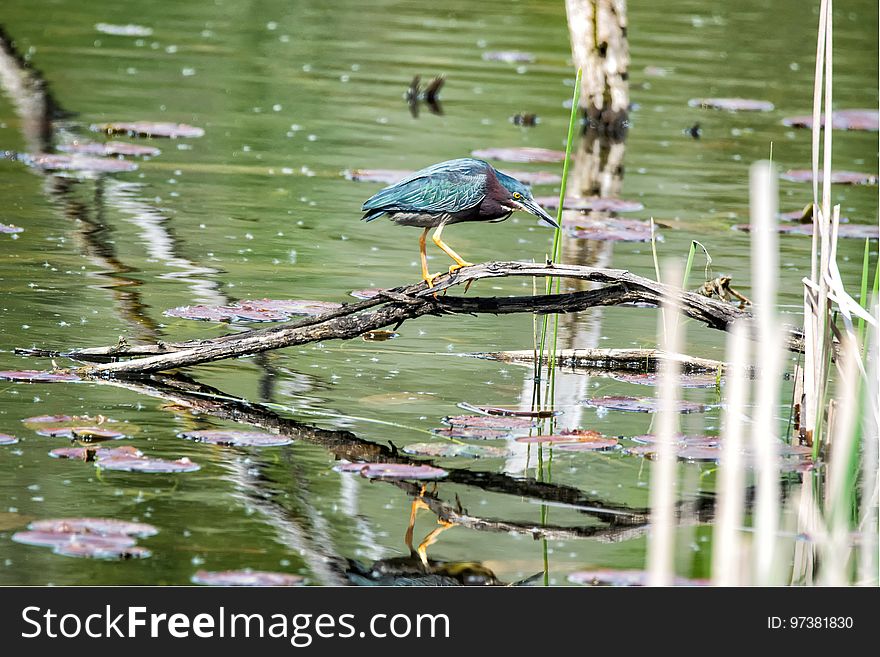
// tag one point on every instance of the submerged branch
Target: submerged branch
(401, 304)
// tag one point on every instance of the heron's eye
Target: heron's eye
(517, 195)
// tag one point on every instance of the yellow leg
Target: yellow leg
(431, 538)
(417, 504)
(459, 261)
(428, 278)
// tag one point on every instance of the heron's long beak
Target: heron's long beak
(529, 205)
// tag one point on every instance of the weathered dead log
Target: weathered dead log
(352, 320)
(599, 48)
(641, 360)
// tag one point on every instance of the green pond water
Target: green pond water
(291, 94)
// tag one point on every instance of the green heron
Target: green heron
(448, 193)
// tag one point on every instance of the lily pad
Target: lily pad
(49, 162)
(147, 465)
(455, 450)
(6, 439)
(246, 578)
(50, 538)
(10, 229)
(625, 578)
(90, 550)
(593, 203)
(102, 526)
(522, 154)
(851, 119)
(108, 148)
(591, 440)
(608, 229)
(489, 421)
(849, 230)
(641, 404)
(393, 471)
(600, 444)
(508, 411)
(237, 438)
(691, 439)
(707, 380)
(94, 453)
(46, 422)
(837, 177)
(256, 310)
(82, 433)
(37, 376)
(732, 104)
(367, 293)
(392, 176)
(468, 433)
(379, 336)
(508, 56)
(149, 129)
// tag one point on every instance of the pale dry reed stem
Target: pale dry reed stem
(661, 537)
(765, 430)
(868, 565)
(727, 544)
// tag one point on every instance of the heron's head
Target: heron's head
(520, 198)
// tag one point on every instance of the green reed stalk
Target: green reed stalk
(557, 243)
(863, 289)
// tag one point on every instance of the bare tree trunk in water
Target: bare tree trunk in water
(599, 47)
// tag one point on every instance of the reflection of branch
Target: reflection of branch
(638, 360)
(347, 445)
(622, 287)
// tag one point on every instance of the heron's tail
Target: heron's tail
(373, 214)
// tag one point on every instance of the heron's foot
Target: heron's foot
(430, 278)
(460, 265)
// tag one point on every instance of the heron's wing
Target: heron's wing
(446, 187)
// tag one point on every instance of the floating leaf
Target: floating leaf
(607, 229)
(108, 148)
(692, 439)
(78, 163)
(79, 422)
(593, 203)
(290, 306)
(367, 293)
(522, 154)
(852, 119)
(147, 465)
(625, 578)
(454, 450)
(599, 444)
(392, 470)
(102, 526)
(641, 404)
(837, 177)
(149, 129)
(10, 229)
(392, 176)
(50, 538)
(489, 421)
(467, 433)
(93, 453)
(592, 440)
(37, 376)
(732, 104)
(6, 439)
(237, 438)
(508, 56)
(246, 578)
(259, 310)
(510, 411)
(684, 380)
(82, 433)
(124, 30)
(848, 230)
(90, 550)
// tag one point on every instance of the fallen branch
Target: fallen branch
(353, 320)
(641, 360)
